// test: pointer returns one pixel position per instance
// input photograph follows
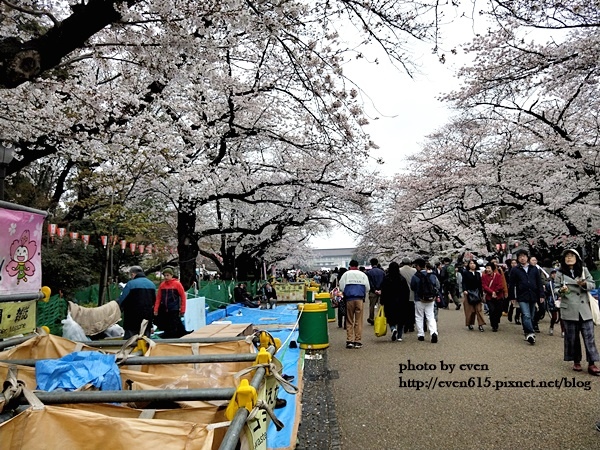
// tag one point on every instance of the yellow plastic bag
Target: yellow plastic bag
(380, 323)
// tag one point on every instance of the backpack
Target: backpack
(427, 291)
(451, 273)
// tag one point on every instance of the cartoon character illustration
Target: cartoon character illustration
(21, 251)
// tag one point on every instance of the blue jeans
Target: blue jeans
(527, 312)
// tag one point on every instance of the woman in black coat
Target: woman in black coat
(395, 295)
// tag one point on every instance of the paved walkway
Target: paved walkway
(373, 412)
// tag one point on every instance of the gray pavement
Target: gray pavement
(373, 412)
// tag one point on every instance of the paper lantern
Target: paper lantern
(62, 232)
(123, 245)
(85, 239)
(104, 240)
(132, 247)
(141, 248)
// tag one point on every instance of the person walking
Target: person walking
(341, 309)
(407, 271)
(513, 305)
(493, 288)
(375, 275)
(471, 285)
(574, 281)
(553, 304)
(355, 286)
(525, 284)
(395, 295)
(170, 305)
(137, 301)
(424, 287)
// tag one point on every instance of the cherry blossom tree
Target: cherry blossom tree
(518, 161)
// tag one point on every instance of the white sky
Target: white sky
(407, 108)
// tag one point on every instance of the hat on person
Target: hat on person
(571, 250)
(168, 270)
(406, 261)
(553, 271)
(136, 270)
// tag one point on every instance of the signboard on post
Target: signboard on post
(20, 267)
(290, 292)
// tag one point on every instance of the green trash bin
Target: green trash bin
(312, 327)
(324, 297)
(311, 292)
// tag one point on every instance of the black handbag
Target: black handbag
(473, 297)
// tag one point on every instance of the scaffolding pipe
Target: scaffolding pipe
(175, 395)
(234, 431)
(152, 360)
(11, 342)
(21, 297)
(198, 340)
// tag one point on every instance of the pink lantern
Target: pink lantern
(132, 247)
(123, 245)
(141, 248)
(104, 240)
(149, 249)
(504, 246)
(498, 247)
(85, 239)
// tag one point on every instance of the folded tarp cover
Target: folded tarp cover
(95, 320)
(78, 369)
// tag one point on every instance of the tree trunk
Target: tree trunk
(103, 286)
(229, 264)
(187, 246)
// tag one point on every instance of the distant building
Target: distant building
(330, 258)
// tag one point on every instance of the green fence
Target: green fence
(217, 294)
(51, 314)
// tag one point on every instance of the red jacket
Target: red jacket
(171, 294)
(492, 283)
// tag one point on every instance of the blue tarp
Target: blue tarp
(280, 323)
(283, 316)
(290, 358)
(76, 370)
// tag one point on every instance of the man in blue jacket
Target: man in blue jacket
(137, 302)
(355, 286)
(525, 286)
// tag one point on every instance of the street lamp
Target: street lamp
(6, 156)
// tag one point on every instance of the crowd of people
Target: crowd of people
(412, 292)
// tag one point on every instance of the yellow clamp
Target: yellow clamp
(266, 340)
(47, 292)
(142, 346)
(245, 396)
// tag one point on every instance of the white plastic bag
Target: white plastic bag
(114, 331)
(72, 330)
